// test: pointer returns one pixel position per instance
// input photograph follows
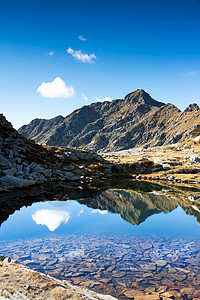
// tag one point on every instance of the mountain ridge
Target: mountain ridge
(134, 121)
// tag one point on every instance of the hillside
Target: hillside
(137, 120)
(24, 163)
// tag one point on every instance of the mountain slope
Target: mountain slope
(120, 124)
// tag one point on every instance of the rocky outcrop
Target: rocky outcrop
(120, 124)
(20, 282)
(24, 163)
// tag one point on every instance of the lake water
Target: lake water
(117, 238)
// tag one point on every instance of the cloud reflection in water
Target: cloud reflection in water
(50, 218)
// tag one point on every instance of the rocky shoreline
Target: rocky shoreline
(21, 283)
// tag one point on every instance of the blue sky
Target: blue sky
(149, 44)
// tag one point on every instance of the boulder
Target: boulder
(10, 172)
(4, 163)
(70, 176)
(197, 139)
(158, 161)
(166, 166)
(16, 182)
(47, 173)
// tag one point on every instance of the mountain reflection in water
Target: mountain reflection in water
(94, 241)
(134, 201)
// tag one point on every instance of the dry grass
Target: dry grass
(31, 284)
(176, 155)
(17, 281)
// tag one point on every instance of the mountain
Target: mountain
(137, 120)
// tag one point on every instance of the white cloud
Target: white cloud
(51, 53)
(84, 57)
(82, 38)
(50, 218)
(98, 211)
(84, 97)
(80, 212)
(102, 99)
(55, 89)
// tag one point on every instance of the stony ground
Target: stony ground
(19, 282)
(174, 163)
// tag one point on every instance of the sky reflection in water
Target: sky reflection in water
(69, 217)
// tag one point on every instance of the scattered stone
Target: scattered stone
(147, 297)
(146, 246)
(166, 166)
(133, 293)
(161, 263)
(119, 274)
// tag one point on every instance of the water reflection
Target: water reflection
(50, 218)
(134, 201)
(94, 241)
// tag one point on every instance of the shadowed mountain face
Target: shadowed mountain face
(134, 201)
(120, 124)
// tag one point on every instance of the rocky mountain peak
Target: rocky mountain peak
(192, 108)
(142, 98)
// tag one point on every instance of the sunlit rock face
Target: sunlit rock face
(52, 219)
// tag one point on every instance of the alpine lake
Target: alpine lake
(122, 237)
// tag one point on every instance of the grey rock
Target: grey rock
(16, 182)
(70, 176)
(7, 260)
(195, 159)
(4, 163)
(47, 173)
(37, 169)
(11, 154)
(11, 171)
(158, 161)
(27, 169)
(166, 166)
(19, 173)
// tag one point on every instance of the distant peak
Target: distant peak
(141, 95)
(137, 92)
(192, 107)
